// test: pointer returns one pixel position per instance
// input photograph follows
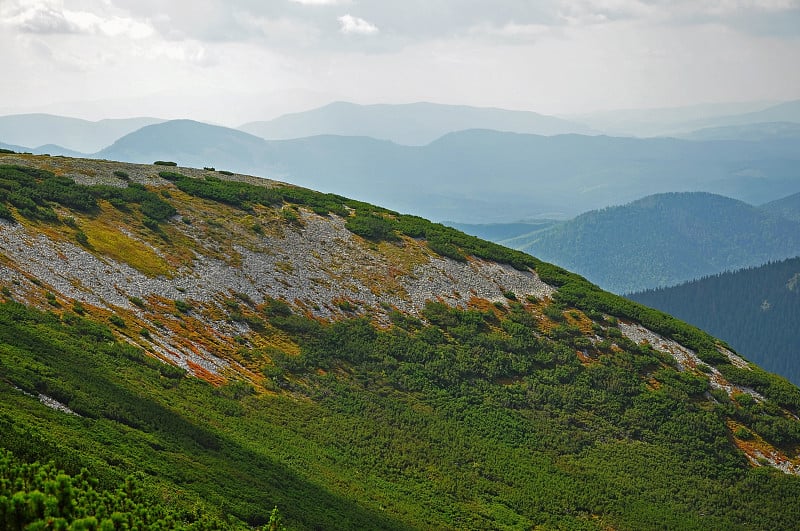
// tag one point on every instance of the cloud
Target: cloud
(351, 24)
(50, 18)
(37, 17)
(512, 32)
(321, 2)
(188, 51)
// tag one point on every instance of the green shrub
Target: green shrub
(6, 214)
(372, 227)
(51, 300)
(122, 175)
(165, 163)
(117, 321)
(182, 306)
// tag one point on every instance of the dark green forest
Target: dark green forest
(756, 310)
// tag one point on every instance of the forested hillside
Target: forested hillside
(665, 239)
(787, 207)
(211, 346)
(755, 310)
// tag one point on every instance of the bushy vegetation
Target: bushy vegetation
(379, 224)
(521, 414)
(462, 419)
(33, 192)
(39, 496)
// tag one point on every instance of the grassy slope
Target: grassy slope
(484, 418)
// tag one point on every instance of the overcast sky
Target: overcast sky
(232, 61)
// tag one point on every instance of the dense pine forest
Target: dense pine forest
(755, 310)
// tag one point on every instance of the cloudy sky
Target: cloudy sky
(232, 61)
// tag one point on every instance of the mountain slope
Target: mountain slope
(190, 142)
(74, 134)
(238, 344)
(755, 310)
(665, 239)
(787, 207)
(751, 132)
(413, 124)
(465, 175)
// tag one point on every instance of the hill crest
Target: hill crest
(353, 349)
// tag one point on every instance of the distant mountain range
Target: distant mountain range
(665, 239)
(474, 176)
(755, 310)
(681, 121)
(414, 124)
(73, 134)
(482, 175)
(774, 131)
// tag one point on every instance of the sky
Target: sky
(234, 61)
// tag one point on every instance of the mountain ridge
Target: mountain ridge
(74, 134)
(664, 239)
(239, 343)
(413, 124)
(528, 174)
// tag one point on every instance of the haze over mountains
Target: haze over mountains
(474, 176)
(413, 124)
(74, 134)
(681, 121)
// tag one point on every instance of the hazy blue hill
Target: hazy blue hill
(498, 232)
(753, 132)
(13, 147)
(755, 310)
(47, 149)
(680, 121)
(783, 112)
(71, 133)
(413, 124)
(665, 239)
(53, 149)
(481, 176)
(788, 111)
(787, 207)
(189, 143)
(576, 173)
